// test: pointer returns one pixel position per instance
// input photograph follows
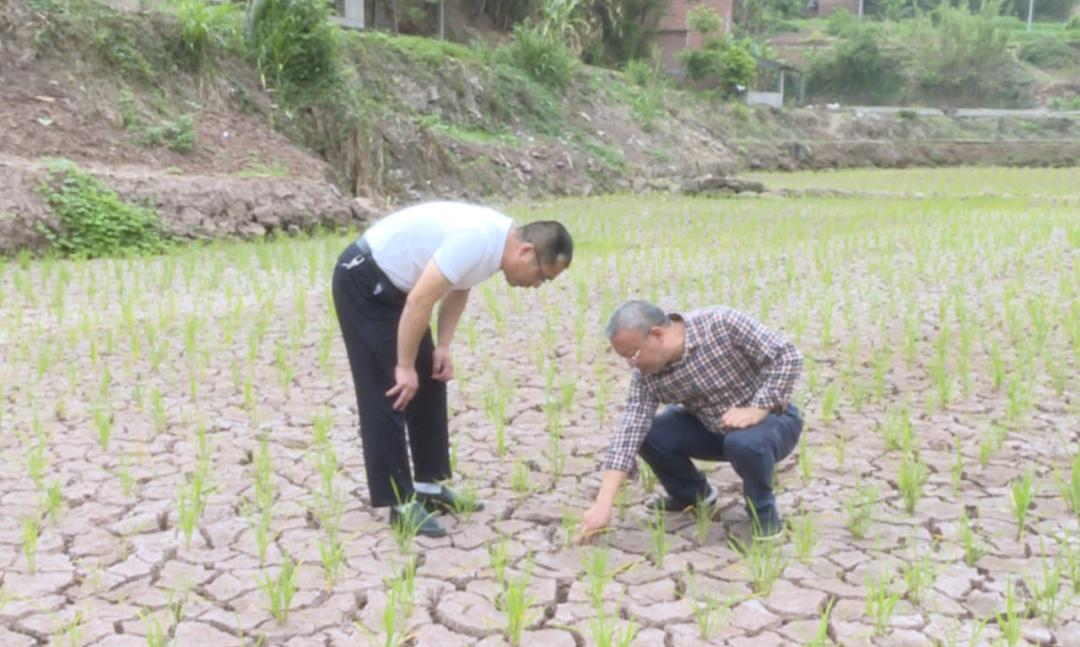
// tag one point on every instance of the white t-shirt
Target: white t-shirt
(466, 242)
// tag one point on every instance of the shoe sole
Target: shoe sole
(434, 506)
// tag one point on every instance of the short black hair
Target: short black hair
(551, 240)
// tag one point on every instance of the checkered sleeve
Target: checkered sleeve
(626, 441)
(778, 358)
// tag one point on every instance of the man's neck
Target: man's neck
(678, 341)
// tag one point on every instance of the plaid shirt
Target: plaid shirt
(729, 360)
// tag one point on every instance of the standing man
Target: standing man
(728, 382)
(385, 288)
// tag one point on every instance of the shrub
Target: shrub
(855, 70)
(176, 135)
(722, 63)
(1073, 24)
(1049, 52)
(294, 42)
(94, 221)
(963, 55)
(205, 30)
(543, 57)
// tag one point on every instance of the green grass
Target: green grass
(961, 181)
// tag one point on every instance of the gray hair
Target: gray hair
(636, 315)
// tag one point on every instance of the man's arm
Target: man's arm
(620, 460)
(453, 304)
(415, 318)
(780, 364)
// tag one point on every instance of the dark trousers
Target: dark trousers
(368, 310)
(676, 436)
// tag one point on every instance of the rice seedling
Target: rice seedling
(403, 586)
(805, 535)
(805, 461)
(918, 574)
(519, 480)
(53, 501)
(829, 401)
(1021, 494)
(911, 480)
(880, 602)
(515, 603)
(604, 632)
(279, 590)
(499, 558)
(495, 402)
(647, 477)
(37, 462)
(821, 636)
(1046, 593)
(1010, 623)
(31, 530)
(703, 516)
(466, 503)
(103, 423)
(973, 550)
(658, 540)
(709, 610)
(1070, 488)
(956, 468)
(859, 509)
(156, 635)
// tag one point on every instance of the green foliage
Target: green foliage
(206, 31)
(855, 70)
(705, 20)
(94, 221)
(545, 58)
(962, 55)
(178, 135)
(722, 63)
(626, 30)
(649, 85)
(294, 42)
(1051, 52)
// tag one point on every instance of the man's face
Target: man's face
(525, 270)
(641, 351)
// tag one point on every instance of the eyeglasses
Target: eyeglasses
(633, 359)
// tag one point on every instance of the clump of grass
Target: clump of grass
(1021, 494)
(280, 590)
(515, 603)
(859, 509)
(880, 603)
(912, 478)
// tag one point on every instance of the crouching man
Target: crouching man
(727, 381)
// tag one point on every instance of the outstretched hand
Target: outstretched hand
(594, 522)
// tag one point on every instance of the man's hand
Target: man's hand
(444, 367)
(594, 521)
(742, 417)
(407, 383)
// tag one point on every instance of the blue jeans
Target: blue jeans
(676, 436)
